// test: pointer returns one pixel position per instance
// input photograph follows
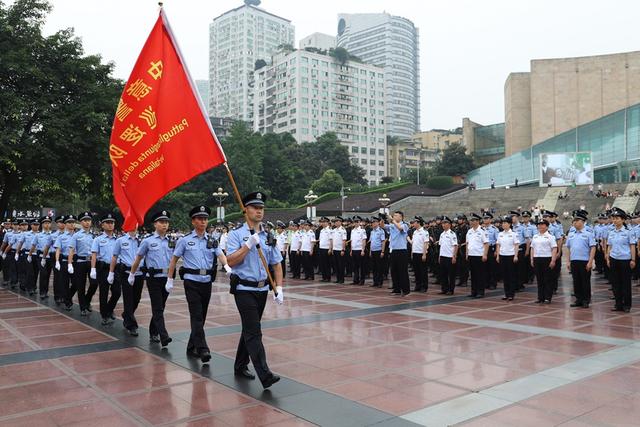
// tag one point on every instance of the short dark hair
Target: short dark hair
(399, 212)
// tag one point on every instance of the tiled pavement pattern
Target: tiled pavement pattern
(348, 355)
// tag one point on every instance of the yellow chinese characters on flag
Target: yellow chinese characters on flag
(161, 135)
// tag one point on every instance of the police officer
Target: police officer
(462, 265)
(448, 244)
(307, 247)
(543, 249)
(62, 255)
(477, 251)
(156, 250)
(358, 251)
(556, 230)
(123, 256)
(249, 289)
(419, 248)
(79, 264)
(398, 234)
(26, 248)
(295, 257)
(338, 247)
(281, 242)
(621, 259)
(101, 254)
(197, 250)
(377, 242)
(507, 250)
(43, 259)
(492, 236)
(6, 261)
(582, 250)
(20, 257)
(530, 230)
(324, 246)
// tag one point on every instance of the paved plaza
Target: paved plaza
(348, 355)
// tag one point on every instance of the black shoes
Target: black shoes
(245, 373)
(133, 332)
(165, 342)
(83, 313)
(192, 353)
(270, 381)
(154, 338)
(205, 355)
(576, 304)
(106, 321)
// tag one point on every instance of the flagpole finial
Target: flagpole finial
(160, 4)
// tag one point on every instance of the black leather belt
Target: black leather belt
(153, 271)
(251, 284)
(81, 258)
(201, 272)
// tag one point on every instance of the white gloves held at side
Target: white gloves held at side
(93, 274)
(110, 278)
(169, 286)
(278, 297)
(70, 268)
(131, 278)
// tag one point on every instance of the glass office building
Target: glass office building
(488, 143)
(613, 140)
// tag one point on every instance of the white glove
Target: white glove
(43, 262)
(227, 269)
(169, 285)
(252, 241)
(110, 278)
(93, 274)
(58, 265)
(4, 255)
(29, 259)
(131, 278)
(16, 257)
(70, 268)
(279, 298)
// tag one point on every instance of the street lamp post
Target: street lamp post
(220, 195)
(342, 197)
(384, 201)
(311, 210)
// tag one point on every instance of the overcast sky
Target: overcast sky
(467, 47)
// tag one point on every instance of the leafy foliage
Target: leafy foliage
(439, 182)
(454, 161)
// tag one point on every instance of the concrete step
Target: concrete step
(550, 199)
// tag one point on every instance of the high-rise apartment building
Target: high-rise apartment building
(390, 42)
(237, 39)
(307, 94)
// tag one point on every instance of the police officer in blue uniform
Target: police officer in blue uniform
(582, 251)
(123, 257)
(197, 250)
(61, 246)
(20, 256)
(79, 264)
(44, 260)
(249, 289)
(101, 254)
(377, 243)
(30, 262)
(156, 250)
(621, 259)
(492, 236)
(398, 233)
(6, 249)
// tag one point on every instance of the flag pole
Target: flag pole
(251, 230)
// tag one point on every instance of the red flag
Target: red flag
(161, 134)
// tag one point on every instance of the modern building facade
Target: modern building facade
(484, 143)
(307, 94)
(318, 41)
(422, 150)
(203, 91)
(237, 39)
(558, 95)
(613, 140)
(390, 42)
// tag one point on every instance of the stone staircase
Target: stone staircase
(625, 202)
(550, 199)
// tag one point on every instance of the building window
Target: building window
(354, 150)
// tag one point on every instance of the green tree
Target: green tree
(328, 182)
(57, 109)
(411, 175)
(386, 180)
(454, 161)
(340, 54)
